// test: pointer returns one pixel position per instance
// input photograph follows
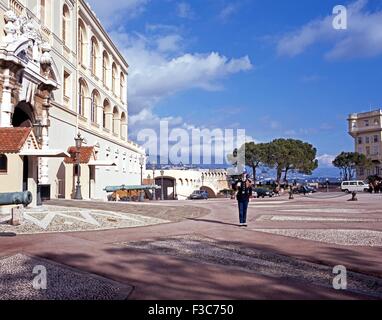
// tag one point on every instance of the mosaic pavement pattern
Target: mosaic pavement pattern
(367, 238)
(60, 219)
(63, 283)
(206, 250)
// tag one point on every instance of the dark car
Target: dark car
(305, 190)
(262, 193)
(199, 195)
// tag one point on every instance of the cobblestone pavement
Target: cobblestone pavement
(165, 211)
(286, 252)
(206, 250)
(62, 283)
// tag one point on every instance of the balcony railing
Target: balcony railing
(364, 129)
(16, 7)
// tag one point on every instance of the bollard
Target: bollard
(17, 216)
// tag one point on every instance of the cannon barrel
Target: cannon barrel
(16, 198)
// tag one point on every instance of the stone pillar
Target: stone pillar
(109, 121)
(44, 162)
(42, 105)
(124, 131)
(6, 107)
(117, 126)
(100, 115)
(33, 179)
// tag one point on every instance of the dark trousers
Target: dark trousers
(243, 208)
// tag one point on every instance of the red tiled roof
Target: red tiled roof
(13, 139)
(85, 155)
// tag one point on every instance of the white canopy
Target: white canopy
(48, 153)
(102, 163)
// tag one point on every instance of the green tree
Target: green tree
(255, 156)
(349, 162)
(286, 155)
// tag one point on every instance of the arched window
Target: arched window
(65, 25)
(115, 120)
(94, 106)
(123, 126)
(82, 97)
(114, 75)
(122, 86)
(3, 163)
(105, 63)
(81, 42)
(94, 54)
(106, 109)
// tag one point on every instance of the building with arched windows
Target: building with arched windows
(61, 75)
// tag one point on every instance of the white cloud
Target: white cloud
(155, 74)
(110, 14)
(228, 11)
(363, 38)
(326, 160)
(184, 10)
(169, 43)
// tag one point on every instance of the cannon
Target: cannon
(16, 198)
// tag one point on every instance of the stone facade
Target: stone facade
(366, 129)
(60, 71)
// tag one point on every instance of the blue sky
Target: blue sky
(275, 68)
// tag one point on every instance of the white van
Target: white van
(354, 186)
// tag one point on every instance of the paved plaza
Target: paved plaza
(195, 250)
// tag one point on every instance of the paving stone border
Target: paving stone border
(360, 238)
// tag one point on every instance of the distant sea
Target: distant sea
(322, 172)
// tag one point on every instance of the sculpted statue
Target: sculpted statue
(20, 27)
(10, 29)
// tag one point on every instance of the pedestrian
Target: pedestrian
(243, 189)
(277, 191)
(377, 186)
(371, 187)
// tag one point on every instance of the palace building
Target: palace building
(366, 129)
(61, 75)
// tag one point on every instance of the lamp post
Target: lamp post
(154, 189)
(78, 140)
(38, 131)
(142, 160)
(162, 191)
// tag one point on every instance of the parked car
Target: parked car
(305, 189)
(354, 186)
(199, 195)
(262, 193)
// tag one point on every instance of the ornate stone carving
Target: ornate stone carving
(23, 28)
(46, 58)
(10, 29)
